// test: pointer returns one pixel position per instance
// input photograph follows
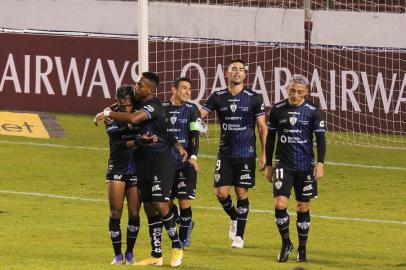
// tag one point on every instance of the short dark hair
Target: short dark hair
(125, 92)
(181, 79)
(237, 60)
(151, 76)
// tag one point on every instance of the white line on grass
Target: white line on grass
(36, 194)
(332, 163)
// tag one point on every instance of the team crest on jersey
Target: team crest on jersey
(278, 184)
(293, 120)
(173, 120)
(233, 107)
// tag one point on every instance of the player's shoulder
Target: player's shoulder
(166, 103)
(310, 105)
(191, 106)
(281, 104)
(220, 92)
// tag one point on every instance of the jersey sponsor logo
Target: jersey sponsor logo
(293, 120)
(246, 176)
(149, 108)
(181, 184)
(278, 184)
(322, 124)
(303, 225)
(233, 107)
(292, 131)
(156, 188)
(173, 120)
(290, 139)
(307, 188)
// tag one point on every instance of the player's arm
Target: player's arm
(320, 133)
(259, 111)
(194, 134)
(270, 145)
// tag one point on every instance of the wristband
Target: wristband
(106, 113)
(193, 157)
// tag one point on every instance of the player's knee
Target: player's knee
(115, 213)
(221, 194)
(302, 207)
(281, 203)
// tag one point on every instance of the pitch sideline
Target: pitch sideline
(332, 163)
(37, 194)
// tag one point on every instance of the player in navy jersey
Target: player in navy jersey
(294, 121)
(184, 118)
(156, 165)
(239, 110)
(121, 178)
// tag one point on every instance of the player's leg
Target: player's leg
(223, 176)
(281, 190)
(154, 220)
(185, 183)
(133, 226)
(303, 226)
(244, 178)
(164, 174)
(305, 189)
(116, 193)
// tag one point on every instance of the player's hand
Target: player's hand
(107, 120)
(262, 162)
(203, 129)
(149, 139)
(182, 152)
(269, 173)
(318, 171)
(99, 117)
(195, 164)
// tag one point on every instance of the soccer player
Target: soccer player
(156, 165)
(184, 124)
(121, 179)
(239, 110)
(294, 120)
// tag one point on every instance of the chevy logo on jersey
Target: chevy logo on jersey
(293, 120)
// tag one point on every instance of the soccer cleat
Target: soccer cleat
(233, 229)
(151, 261)
(177, 256)
(285, 250)
(186, 242)
(129, 258)
(301, 254)
(118, 259)
(238, 242)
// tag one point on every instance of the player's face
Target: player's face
(183, 92)
(296, 94)
(143, 87)
(125, 105)
(236, 73)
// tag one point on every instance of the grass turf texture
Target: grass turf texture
(40, 232)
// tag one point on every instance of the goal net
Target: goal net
(351, 51)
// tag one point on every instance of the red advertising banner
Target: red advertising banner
(359, 89)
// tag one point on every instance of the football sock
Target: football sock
(115, 235)
(242, 214)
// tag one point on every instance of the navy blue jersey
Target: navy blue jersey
(295, 127)
(237, 115)
(121, 160)
(156, 124)
(182, 121)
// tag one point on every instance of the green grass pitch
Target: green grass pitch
(54, 210)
